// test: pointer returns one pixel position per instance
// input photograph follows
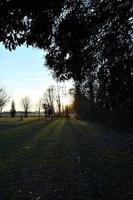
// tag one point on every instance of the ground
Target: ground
(65, 159)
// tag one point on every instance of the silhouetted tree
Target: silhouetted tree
(13, 109)
(48, 101)
(39, 105)
(28, 23)
(49, 96)
(25, 102)
(80, 103)
(58, 99)
(67, 111)
(4, 98)
(93, 43)
(89, 41)
(48, 110)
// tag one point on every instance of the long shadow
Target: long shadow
(85, 153)
(8, 125)
(23, 162)
(62, 162)
(10, 141)
(58, 164)
(102, 175)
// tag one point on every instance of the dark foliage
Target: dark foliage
(93, 45)
(48, 110)
(32, 23)
(89, 41)
(13, 110)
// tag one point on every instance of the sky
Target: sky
(22, 73)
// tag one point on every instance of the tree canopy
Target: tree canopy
(90, 41)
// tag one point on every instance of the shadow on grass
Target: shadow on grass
(63, 160)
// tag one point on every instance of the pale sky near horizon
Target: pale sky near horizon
(22, 73)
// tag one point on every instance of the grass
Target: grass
(64, 159)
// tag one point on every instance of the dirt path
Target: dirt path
(64, 159)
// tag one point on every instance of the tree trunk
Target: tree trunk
(25, 114)
(0, 111)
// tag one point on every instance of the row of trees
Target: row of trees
(4, 99)
(91, 109)
(93, 44)
(51, 102)
(90, 41)
(53, 99)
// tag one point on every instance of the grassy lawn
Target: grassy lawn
(64, 159)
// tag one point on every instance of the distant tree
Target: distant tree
(4, 98)
(63, 97)
(45, 108)
(48, 101)
(13, 109)
(58, 99)
(48, 110)
(66, 111)
(39, 106)
(25, 102)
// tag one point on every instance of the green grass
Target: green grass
(64, 159)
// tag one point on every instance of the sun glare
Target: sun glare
(66, 101)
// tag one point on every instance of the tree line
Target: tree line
(51, 103)
(90, 41)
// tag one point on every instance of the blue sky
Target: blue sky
(22, 73)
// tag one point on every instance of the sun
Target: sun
(66, 101)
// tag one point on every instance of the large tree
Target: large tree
(89, 41)
(29, 23)
(93, 44)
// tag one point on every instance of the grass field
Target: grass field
(64, 159)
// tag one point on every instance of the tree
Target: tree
(28, 23)
(66, 112)
(48, 101)
(93, 43)
(4, 98)
(13, 109)
(89, 41)
(48, 110)
(25, 102)
(81, 103)
(39, 105)
(58, 99)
